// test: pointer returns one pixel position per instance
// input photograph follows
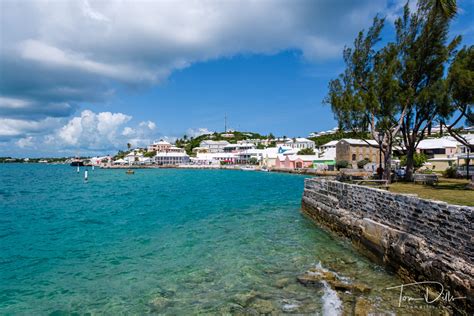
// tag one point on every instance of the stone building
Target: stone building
(354, 150)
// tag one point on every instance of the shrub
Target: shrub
(362, 163)
(418, 160)
(253, 161)
(306, 151)
(450, 172)
(150, 154)
(341, 164)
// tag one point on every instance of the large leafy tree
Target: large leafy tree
(364, 98)
(397, 89)
(423, 53)
(460, 95)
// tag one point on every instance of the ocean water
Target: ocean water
(167, 241)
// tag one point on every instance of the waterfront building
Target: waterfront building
(171, 158)
(246, 156)
(134, 156)
(217, 158)
(354, 150)
(214, 146)
(295, 161)
(237, 148)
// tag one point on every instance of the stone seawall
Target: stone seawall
(421, 240)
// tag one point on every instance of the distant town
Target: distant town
(325, 151)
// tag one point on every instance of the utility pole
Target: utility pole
(225, 123)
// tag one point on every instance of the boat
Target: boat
(77, 163)
(264, 170)
(130, 171)
(248, 168)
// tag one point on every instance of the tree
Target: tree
(418, 160)
(460, 95)
(398, 88)
(364, 97)
(447, 8)
(306, 151)
(129, 146)
(423, 53)
(150, 154)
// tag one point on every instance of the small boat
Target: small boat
(247, 168)
(77, 163)
(130, 171)
(264, 170)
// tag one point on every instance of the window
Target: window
(353, 157)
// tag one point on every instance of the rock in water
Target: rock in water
(158, 303)
(281, 283)
(264, 306)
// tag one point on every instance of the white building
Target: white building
(328, 150)
(214, 146)
(216, 158)
(171, 158)
(236, 148)
(297, 143)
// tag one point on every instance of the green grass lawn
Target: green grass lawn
(448, 190)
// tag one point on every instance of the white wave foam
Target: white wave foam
(332, 304)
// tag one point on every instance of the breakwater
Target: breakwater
(421, 240)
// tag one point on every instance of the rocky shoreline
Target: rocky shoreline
(420, 240)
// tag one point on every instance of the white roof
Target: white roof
(161, 142)
(329, 154)
(299, 140)
(330, 144)
(134, 153)
(119, 161)
(214, 142)
(239, 145)
(360, 142)
(434, 143)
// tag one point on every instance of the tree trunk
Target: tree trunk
(387, 163)
(410, 164)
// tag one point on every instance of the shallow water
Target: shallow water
(167, 241)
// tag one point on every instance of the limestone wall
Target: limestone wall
(421, 240)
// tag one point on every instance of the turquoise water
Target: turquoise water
(165, 241)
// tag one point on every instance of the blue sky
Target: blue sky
(90, 76)
(281, 93)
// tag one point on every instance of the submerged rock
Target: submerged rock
(158, 303)
(281, 283)
(264, 306)
(362, 306)
(316, 276)
(245, 299)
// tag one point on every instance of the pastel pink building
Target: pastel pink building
(295, 161)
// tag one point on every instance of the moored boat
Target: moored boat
(77, 163)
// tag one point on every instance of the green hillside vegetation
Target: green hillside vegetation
(190, 143)
(321, 140)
